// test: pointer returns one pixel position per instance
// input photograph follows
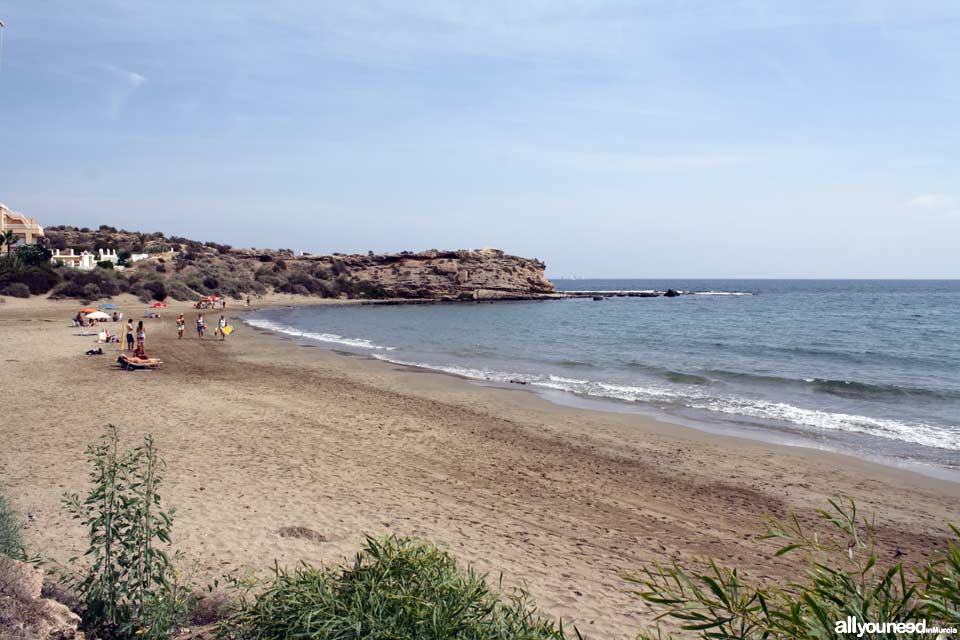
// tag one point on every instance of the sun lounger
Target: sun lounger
(132, 363)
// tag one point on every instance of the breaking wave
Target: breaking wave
(333, 338)
(913, 432)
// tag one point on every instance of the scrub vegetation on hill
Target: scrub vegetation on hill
(184, 269)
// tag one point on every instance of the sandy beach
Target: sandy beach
(261, 433)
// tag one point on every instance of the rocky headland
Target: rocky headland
(156, 266)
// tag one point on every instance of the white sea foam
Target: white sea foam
(721, 293)
(668, 395)
(464, 372)
(360, 343)
(913, 432)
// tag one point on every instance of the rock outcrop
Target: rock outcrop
(24, 614)
(484, 274)
(195, 269)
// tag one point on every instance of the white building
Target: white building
(83, 260)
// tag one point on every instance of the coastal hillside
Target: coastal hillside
(183, 269)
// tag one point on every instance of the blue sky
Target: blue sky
(660, 139)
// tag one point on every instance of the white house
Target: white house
(85, 259)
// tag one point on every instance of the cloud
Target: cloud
(122, 84)
(934, 202)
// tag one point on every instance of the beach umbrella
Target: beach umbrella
(157, 305)
(97, 315)
(87, 310)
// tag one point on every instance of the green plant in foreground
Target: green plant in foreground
(841, 576)
(397, 588)
(129, 586)
(11, 531)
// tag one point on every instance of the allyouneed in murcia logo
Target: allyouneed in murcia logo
(852, 626)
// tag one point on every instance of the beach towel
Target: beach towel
(227, 330)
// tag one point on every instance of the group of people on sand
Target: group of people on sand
(81, 320)
(202, 327)
(138, 334)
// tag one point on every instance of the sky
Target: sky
(609, 138)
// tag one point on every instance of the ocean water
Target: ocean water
(865, 367)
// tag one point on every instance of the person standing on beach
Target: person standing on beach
(181, 325)
(221, 325)
(200, 326)
(129, 333)
(141, 336)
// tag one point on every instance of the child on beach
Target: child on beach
(181, 325)
(141, 335)
(129, 333)
(200, 326)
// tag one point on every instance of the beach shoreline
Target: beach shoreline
(567, 389)
(262, 433)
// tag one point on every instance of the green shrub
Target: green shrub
(270, 280)
(105, 264)
(11, 531)
(371, 290)
(39, 279)
(177, 290)
(295, 289)
(77, 283)
(396, 589)
(303, 282)
(34, 255)
(840, 574)
(157, 290)
(16, 290)
(22, 266)
(128, 589)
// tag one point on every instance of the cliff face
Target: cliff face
(485, 274)
(211, 268)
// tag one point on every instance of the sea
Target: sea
(865, 367)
